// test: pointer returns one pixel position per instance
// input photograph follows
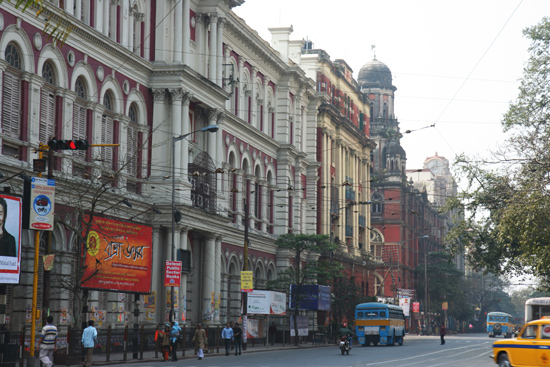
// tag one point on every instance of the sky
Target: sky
(455, 64)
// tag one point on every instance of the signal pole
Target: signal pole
(244, 295)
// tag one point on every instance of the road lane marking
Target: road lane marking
(420, 356)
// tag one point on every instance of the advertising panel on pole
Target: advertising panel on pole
(266, 303)
(310, 297)
(246, 281)
(118, 256)
(405, 304)
(41, 201)
(301, 321)
(416, 306)
(172, 273)
(11, 208)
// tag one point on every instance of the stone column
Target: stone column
(208, 280)
(201, 41)
(266, 109)
(242, 103)
(219, 51)
(213, 47)
(177, 96)
(69, 6)
(186, 35)
(186, 129)
(131, 29)
(217, 279)
(178, 32)
(212, 120)
(239, 184)
(255, 114)
(100, 17)
(106, 16)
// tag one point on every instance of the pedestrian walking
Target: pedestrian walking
(89, 338)
(442, 332)
(174, 339)
(165, 341)
(200, 341)
(272, 332)
(48, 342)
(227, 336)
(238, 339)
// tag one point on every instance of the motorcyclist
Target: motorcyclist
(345, 332)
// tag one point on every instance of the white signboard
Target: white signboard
(266, 303)
(42, 204)
(405, 304)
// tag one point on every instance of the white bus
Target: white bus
(536, 308)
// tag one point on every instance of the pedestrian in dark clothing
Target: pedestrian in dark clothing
(272, 332)
(237, 337)
(442, 332)
(227, 336)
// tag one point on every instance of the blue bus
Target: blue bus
(379, 323)
(500, 323)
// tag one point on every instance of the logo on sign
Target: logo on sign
(42, 205)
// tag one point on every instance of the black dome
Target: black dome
(375, 74)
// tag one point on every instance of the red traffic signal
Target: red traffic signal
(68, 144)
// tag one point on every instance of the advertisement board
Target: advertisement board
(266, 303)
(118, 256)
(311, 297)
(301, 321)
(42, 202)
(10, 238)
(416, 306)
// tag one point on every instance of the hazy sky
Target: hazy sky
(454, 63)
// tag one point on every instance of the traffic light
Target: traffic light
(68, 144)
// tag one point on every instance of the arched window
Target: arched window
(107, 130)
(258, 197)
(11, 102)
(47, 104)
(79, 117)
(132, 142)
(377, 203)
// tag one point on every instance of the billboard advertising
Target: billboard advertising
(10, 238)
(118, 256)
(172, 273)
(311, 297)
(42, 199)
(266, 303)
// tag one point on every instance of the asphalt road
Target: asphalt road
(470, 350)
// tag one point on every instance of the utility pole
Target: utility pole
(244, 295)
(426, 321)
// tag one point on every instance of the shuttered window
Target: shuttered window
(11, 103)
(107, 131)
(47, 116)
(79, 117)
(11, 97)
(132, 149)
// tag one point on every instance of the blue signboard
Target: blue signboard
(311, 297)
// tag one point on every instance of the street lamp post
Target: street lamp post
(212, 129)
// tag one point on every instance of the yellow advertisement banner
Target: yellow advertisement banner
(246, 281)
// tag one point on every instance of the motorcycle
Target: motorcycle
(344, 346)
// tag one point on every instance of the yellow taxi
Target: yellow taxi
(530, 348)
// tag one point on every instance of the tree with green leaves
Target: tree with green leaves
(304, 250)
(508, 198)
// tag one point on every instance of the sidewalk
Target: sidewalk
(99, 359)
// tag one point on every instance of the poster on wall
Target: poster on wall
(118, 256)
(10, 238)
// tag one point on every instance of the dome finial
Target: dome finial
(373, 49)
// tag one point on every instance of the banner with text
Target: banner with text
(246, 281)
(118, 256)
(266, 303)
(172, 274)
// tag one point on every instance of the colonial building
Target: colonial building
(406, 224)
(137, 74)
